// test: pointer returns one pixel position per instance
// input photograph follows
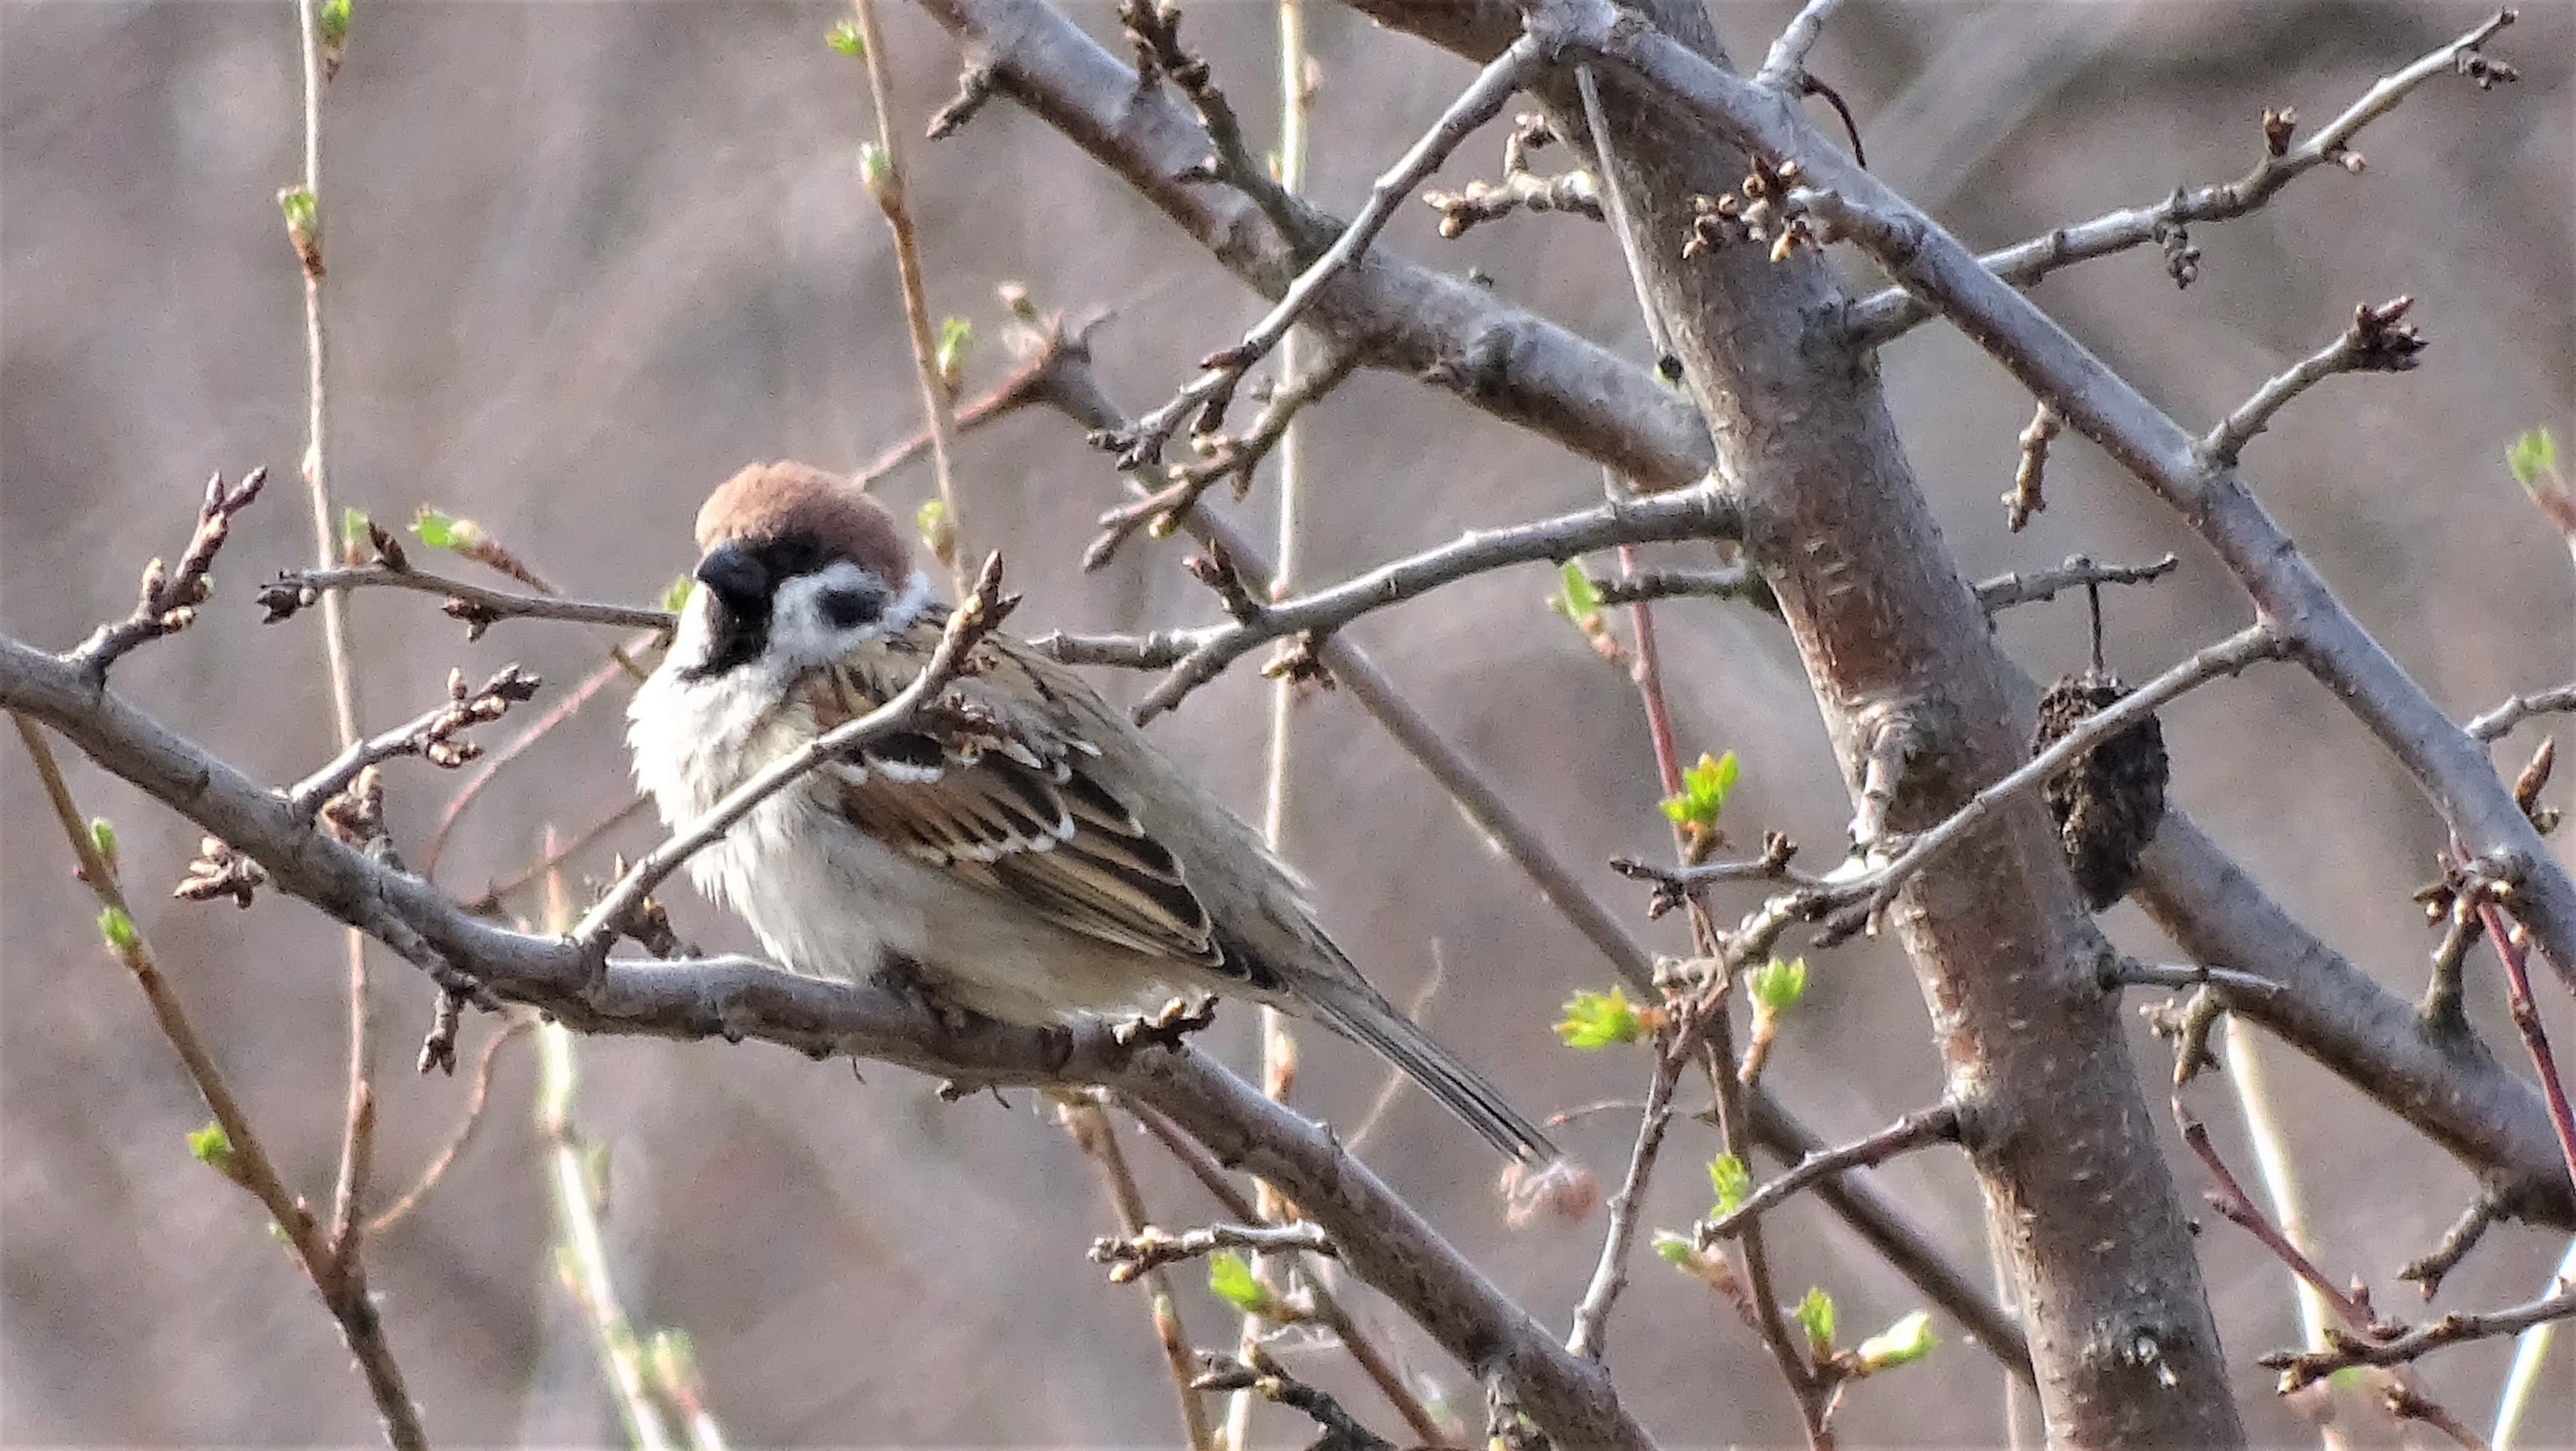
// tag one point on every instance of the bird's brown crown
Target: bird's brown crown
(790, 500)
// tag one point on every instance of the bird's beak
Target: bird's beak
(737, 578)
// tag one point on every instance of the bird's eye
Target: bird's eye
(849, 608)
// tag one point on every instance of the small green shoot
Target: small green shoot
(845, 38)
(212, 1147)
(1597, 1020)
(1815, 1315)
(956, 344)
(1731, 1181)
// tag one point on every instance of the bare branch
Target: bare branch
(1938, 1124)
(1674, 1050)
(2517, 709)
(2130, 972)
(1786, 65)
(2375, 343)
(1883, 316)
(2301, 1368)
(476, 606)
(1206, 397)
(1732, 583)
(1699, 513)
(168, 601)
(1150, 1248)
(435, 735)
(2007, 590)
(1262, 1376)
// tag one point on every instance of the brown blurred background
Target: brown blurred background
(587, 259)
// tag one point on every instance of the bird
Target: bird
(1023, 851)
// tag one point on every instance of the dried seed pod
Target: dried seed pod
(2108, 804)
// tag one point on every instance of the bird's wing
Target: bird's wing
(989, 785)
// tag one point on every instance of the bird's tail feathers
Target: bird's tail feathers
(1374, 1022)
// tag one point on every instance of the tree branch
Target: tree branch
(476, 606)
(1883, 316)
(1697, 513)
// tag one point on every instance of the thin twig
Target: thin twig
(2526, 1020)
(476, 606)
(2130, 972)
(2519, 708)
(581, 1249)
(1878, 885)
(1150, 1248)
(2007, 590)
(1938, 1124)
(2377, 342)
(1206, 395)
(518, 747)
(168, 600)
(1786, 65)
(479, 1095)
(888, 185)
(1674, 1052)
(493, 895)
(1695, 513)
(435, 735)
(2030, 473)
(2429, 1270)
(2301, 1368)
(1327, 1308)
(244, 1160)
(967, 625)
(1884, 315)
(1090, 1126)
(1258, 1374)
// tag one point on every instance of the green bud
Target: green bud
(875, 170)
(846, 39)
(1778, 985)
(2531, 457)
(1909, 1339)
(441, 530)
(1704, 789)
(1231, 1279)
(676, 597)
(118, 929)
(956, 342)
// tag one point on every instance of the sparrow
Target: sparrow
(1019, 849)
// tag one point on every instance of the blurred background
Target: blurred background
(585, 260)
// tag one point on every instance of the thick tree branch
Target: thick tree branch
(1382, 1239)
(2445, 762)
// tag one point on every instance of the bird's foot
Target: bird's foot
(1177, 1020)
(904, 977)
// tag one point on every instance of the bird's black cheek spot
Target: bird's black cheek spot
(849, 608)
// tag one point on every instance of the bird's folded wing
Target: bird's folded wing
(1005, 801)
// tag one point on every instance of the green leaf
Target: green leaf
(956, 342)
(212, 1147)
(102, 839)
(676, 598)
(1732, 1181)
(441, 530)
(334, 23)
(1778, 985)
(1675, 1248)
(1909, 1339)
(1597, 1020)
(1815, 1315)
(118, 929)
(845, 38)
(1576, 599)
(1704, 790)
(1231, 1279)
(2531, 456)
